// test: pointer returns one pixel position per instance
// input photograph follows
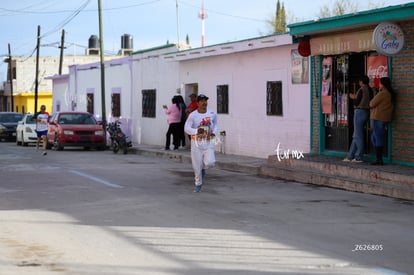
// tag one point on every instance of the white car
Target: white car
(26, 130)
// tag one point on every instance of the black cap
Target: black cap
(201, 96)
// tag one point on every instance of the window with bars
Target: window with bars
(223, 99)
(148, 103)
(274, 98)
(90, 103)
(116, 104)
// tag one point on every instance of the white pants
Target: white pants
(202, 157)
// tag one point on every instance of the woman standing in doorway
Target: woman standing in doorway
(361, 115)
(382, 106)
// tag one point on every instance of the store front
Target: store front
(337, 110)
(343, 49)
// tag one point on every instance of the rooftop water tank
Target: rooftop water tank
(93, 42)
(127, 41)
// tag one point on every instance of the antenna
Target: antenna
(178, 25)
(203, 15)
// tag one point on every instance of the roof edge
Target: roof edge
(390, 13)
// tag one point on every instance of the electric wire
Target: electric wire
(67, 20)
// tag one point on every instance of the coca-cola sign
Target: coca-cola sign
(377, 67)
(388, 39)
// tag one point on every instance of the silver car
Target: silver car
(26, 130)
(8, 123)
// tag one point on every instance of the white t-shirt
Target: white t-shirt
(207, 121)
(41, 123)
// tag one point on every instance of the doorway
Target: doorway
(346, 71)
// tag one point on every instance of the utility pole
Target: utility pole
(37, 67)
(62, 47)
(101, 49)
(11, 79)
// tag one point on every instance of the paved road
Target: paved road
(80, 212)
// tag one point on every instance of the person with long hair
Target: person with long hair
(382, 106)
(183, 108)
(174, 119)
(361, 116)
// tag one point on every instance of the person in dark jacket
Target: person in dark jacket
(382, 106)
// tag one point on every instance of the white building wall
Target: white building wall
(249, 130)
(152, 71)
(60, 93)
(118, 79)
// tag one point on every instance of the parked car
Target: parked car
(8, 124)
(75, 129)
(26, 130)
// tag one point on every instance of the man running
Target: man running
(41, 118)
(202, 126)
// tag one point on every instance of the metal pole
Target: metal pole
(11, 79)
(178, 25)
(102, 69)
(37, 67)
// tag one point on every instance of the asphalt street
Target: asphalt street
(95, 212)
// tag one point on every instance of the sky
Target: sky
(151, 23)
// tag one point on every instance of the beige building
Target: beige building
(24, 76)
(22, 71)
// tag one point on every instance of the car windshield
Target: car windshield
(29, 120)
(11, 117)
(76, 119)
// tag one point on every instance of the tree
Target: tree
(339, 7)
(278, 21)
(187, 40)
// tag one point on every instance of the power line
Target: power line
(67, 20)
(24, 11)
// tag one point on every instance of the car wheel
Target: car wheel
(56, 145)
(23, 142)
(49, 145)
(17, 139)
(115, 147)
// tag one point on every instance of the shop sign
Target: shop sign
(304, 48)
(360, 41)
(377, 67)
(388, 39)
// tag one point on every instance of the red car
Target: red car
(75, 129)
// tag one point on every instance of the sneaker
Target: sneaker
(346, 160)
(44, 153)
(197, 189)
(203, 173)
(356, 161)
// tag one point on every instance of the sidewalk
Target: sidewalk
(388, 180)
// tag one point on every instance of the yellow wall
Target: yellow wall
(25, 102)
